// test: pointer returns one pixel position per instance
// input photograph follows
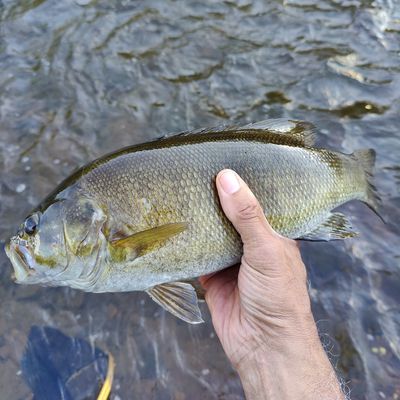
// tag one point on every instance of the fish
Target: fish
(148, 218)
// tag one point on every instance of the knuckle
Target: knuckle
(249, 212)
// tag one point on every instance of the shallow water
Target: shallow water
(81, 78)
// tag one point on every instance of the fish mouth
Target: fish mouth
(21, 261)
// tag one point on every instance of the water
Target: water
(80, 78)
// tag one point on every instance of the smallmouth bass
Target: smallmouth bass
(148, 217)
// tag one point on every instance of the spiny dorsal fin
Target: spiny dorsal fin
(301, 133)
(179, 299)
(141, 243)
(335, 226)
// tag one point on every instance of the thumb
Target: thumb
(244, 211)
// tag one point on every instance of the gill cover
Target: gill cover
(82, 224)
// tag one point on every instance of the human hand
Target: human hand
(261, 310)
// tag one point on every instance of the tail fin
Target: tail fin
(366, 159)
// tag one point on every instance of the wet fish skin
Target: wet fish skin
(150, 214)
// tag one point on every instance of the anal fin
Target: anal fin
(336, 226)
(179, 298)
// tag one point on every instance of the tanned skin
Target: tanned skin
(261, 309)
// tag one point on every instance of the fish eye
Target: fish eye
(31, 224)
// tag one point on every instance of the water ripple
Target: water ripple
(81, 78)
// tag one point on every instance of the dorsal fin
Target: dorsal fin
(301, 133)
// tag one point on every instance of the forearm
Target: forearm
(300, 370)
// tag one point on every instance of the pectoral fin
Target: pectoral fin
(336, 226)
(141, 243)
(179, 299)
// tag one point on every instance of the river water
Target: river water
(81, 78)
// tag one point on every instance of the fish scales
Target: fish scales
(155, 187)
(148, 217)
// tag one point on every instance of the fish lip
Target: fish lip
(19, 257)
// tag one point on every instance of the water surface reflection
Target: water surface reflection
(81, 78)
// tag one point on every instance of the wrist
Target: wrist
(297, 368)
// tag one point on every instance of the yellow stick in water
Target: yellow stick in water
(106, 389)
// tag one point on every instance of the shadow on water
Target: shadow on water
(81, 78)
(56, 366)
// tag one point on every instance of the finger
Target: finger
(243, 210)
(218, 277)
(206, 280)
(219, 287)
